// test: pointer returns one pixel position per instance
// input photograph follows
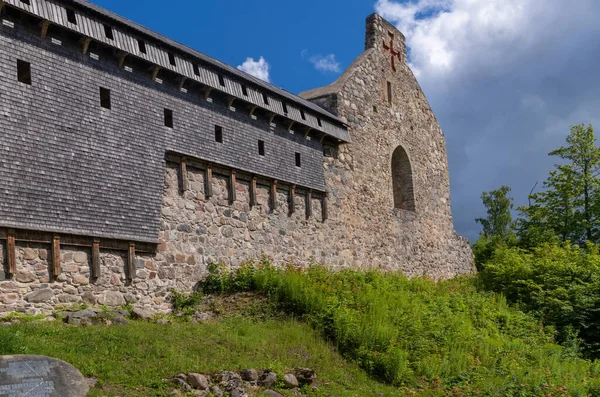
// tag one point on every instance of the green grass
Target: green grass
(133, 360)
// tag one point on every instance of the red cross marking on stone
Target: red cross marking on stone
(389, 48)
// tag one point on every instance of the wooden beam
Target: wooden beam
(292, 199)
(1, 6)
(272, 118)
(207, 92)
(85, 44)
(322, 139)
(232, 187)
(252, 110)
(182, 81)
(307, 132)
(122, 55)
(208, 192)
(230, 102)
(184, 185)
(291, 125)
(308, 204)
(45, 24)
(131, 262)
(95, 270)
(324, 209)
(273, 195)
(155, 72)
(253, 192)
(55, 256)
(11, 255)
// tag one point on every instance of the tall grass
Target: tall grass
(447, 337)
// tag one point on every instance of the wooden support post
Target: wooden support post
(207, 92)
(252, 192)
(85, 45)
(131, 262)
(291, 125)
(182, 81)
(273, 196)
(56, 256)
(11, 256)
(230, 102)
(322, 139)
(292, 199)
(208, 181)
(122, 55)
(95, 271)
(1, 6)
(308, 204)
(155, 72)
(307, 132)
(44, 29)
(184, 175)
(252, 110)
(324, 208)
(272, 118)
(232, 187)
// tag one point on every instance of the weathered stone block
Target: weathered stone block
(40, 295)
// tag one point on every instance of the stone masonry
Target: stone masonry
(388, 205)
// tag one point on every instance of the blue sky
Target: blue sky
(280, 31)
(505, 78)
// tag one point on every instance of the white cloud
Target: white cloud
(506, 79)
(259, 69)
(326, 63)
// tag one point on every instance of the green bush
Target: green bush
(421, 335)
(558, 283)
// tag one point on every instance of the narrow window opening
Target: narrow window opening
(285, 108)
(196, 70)
(142, 46)
(221, 81)
(105, 98)
(374, 109)
(244, 90)
(298, 160)
(108, 32)
(172, 59)
(71, 16)
(261, 148)
(302, 114)
(265, 99)
(26, 2)
(319, 122)
(168, 118)
(389, 92)
(218, 134)
(24, 72)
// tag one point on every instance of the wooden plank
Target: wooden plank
(95, 270)
(184, 184)
(55, 256)
(208, 192)
(232, 187)
(44, 29)
(11, 255)
(273, 195)
(253, 192)
(308, 204)
(131, 262)
(85, 44)
(292, 199)
(324, 208)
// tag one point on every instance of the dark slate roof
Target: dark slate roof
(218, 64)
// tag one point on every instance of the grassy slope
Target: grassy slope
(132, 360)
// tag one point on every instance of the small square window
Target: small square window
(24, 72)
(265, 99)
(105, 98)
(108, 32)
(298, 160)
(172, 59)
(196, 70)
(168, 118)
(244, 90)
(71, 16)
(285, 108)
(218, 134)
(221, 81)
(261, 148)
(142, 46)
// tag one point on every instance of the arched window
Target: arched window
(402, 180)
